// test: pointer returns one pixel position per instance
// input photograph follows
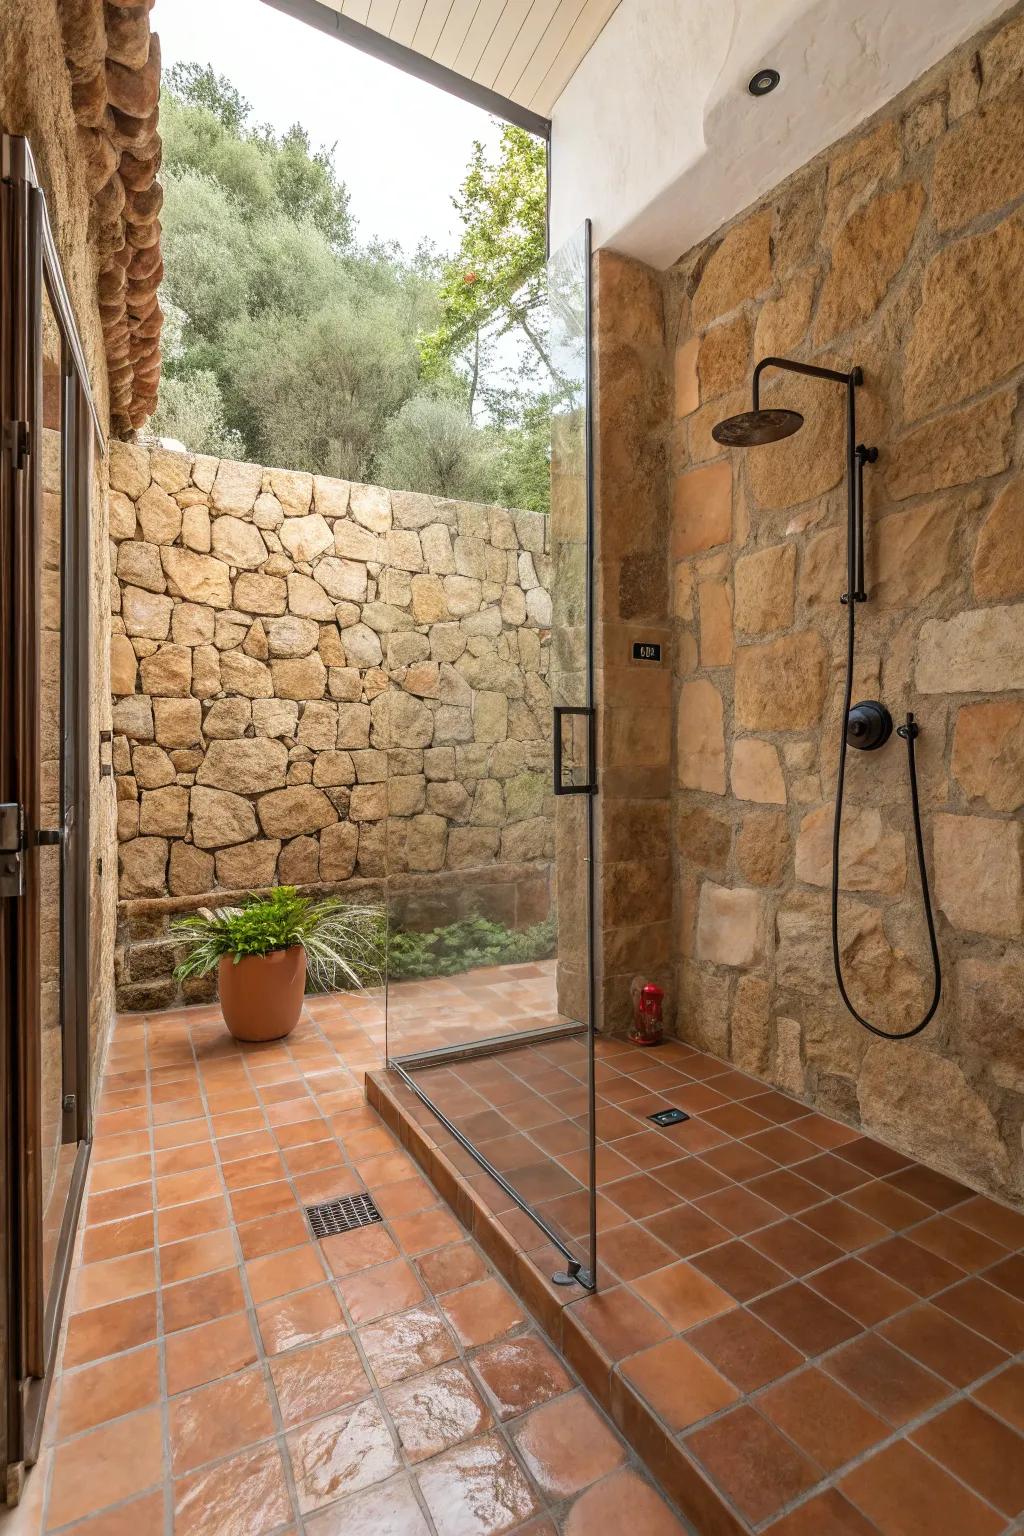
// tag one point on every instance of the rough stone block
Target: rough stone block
(978, 881)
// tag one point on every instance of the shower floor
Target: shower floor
(831, 1332)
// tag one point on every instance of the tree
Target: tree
(429, 445)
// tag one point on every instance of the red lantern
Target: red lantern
(647, 1015)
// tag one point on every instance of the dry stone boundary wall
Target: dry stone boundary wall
(316, 682)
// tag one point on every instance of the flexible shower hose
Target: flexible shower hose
(908, 731)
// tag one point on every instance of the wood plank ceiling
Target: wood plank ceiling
(526, 50)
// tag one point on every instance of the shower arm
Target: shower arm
(856, 457)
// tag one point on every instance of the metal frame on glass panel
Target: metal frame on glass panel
(406, 1065)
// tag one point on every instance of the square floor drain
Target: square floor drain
(344, 1215)
(669, 1117)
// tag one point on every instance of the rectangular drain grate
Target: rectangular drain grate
(669, 1117)
(343, 1215)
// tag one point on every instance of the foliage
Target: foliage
(461, 946)
(430, 443)
(341, 939)
(291, 342)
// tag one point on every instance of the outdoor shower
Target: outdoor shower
(867, 725)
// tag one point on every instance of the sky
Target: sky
(402, 145)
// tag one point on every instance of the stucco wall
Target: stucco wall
(901, 250)
(317, 683)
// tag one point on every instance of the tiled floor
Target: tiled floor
(463, 1010)
(833, 1333)
(224, 1375)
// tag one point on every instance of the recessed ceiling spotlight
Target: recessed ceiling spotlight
(764, 82)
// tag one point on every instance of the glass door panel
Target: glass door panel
(489, 804)
(56, 1156)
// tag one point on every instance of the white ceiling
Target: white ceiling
(525, 50)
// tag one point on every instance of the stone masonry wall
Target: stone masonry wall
(314, 683)
(900, 249)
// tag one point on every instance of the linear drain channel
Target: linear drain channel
(343, 1215)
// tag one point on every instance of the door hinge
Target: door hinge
(70, 1103)
(17, 442)
(12, 846)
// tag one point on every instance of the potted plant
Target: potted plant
(265, 950)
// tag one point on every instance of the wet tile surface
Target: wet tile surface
(225, 1375)
(813, 1318)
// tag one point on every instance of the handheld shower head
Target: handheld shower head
(751, 428)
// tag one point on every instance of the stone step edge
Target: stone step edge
(680, 1479)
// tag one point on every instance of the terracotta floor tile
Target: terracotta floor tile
(349, 1252)
(218, 1420)
(678, 1383)
(782, 1146)
(630, 1250)
(198, 1154)
(107, 1390)
(105, 1466)
(402, 1346)
(640, 1195)
(873, 1157)
(116, 1204)
(795, 1246)
(968, 1249)
(391, 1508)
(740, 1270)
(687, 1230)
(687, 1179)
(828, 1423)
(832, 1175)
(735, 1160)
(272, 1234)
(251, 1144)
(205, 1354)
(197, 1256)
(683, 1296)
(404, 1197)
(1004, 1395)
(341, 1453)
(178, 1221)
(752, 1463)
(142, 1514)
(942, 1345)
(182, 1188)
(244, 1172)
(806, 1319)
(889, 1383)
(203, 1299)
(622, 1502)
(436, 1411)
(448, 1268)
(1008, 1274)
(520, 1374)
(915, 1268)
(97, 1285)
(476, 1489)
(935, 1189)
(567, 1445)
(786, 1190)
(303, 1317)
(738, 1209)
(426, 1230)
(980, 1450)
(997, 1221)
(988, 1310)
(120, 1174)
(262, 1200)
(318, 1379)
(481, 1313)
(827, 1514)
(843, 1225)
(279, 1273)
(888, 1205)
(130, 1235)
(744, 1349)
(108, 1330)
(314, 1157)
(380, 1292)
(906, 1494)
(620, 1322)
(246, 1494)
(865, 1293)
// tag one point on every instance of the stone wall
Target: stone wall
(317, 683)
(901, 249)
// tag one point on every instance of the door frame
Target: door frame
(29, 265)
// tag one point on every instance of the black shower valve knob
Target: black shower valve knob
(868, 725)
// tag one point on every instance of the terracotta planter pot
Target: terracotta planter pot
(261, 996)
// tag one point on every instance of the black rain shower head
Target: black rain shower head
(751, 428)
